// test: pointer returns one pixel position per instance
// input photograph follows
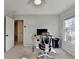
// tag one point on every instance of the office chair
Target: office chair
(46, 47)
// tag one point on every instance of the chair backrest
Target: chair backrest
(47, 42)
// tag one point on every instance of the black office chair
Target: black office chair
(45, 46)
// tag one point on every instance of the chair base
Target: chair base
(45, 55)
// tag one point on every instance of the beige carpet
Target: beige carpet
(20, 51)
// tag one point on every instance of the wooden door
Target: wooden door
(18, 32)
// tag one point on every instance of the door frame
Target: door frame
(4, 33)
(22, 32)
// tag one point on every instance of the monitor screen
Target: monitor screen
(40, 31)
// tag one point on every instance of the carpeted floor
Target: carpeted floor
(20, 51)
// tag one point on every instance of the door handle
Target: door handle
(6, 35)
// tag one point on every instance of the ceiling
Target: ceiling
(51, 7)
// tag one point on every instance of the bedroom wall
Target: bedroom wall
(38, 21)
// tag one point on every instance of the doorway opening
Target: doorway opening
(18, 32)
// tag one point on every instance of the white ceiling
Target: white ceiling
(51, 7)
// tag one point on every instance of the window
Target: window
(69, 29)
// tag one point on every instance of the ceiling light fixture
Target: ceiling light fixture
(37, 2)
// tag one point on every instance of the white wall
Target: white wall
(65, 45)
(33, 22)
